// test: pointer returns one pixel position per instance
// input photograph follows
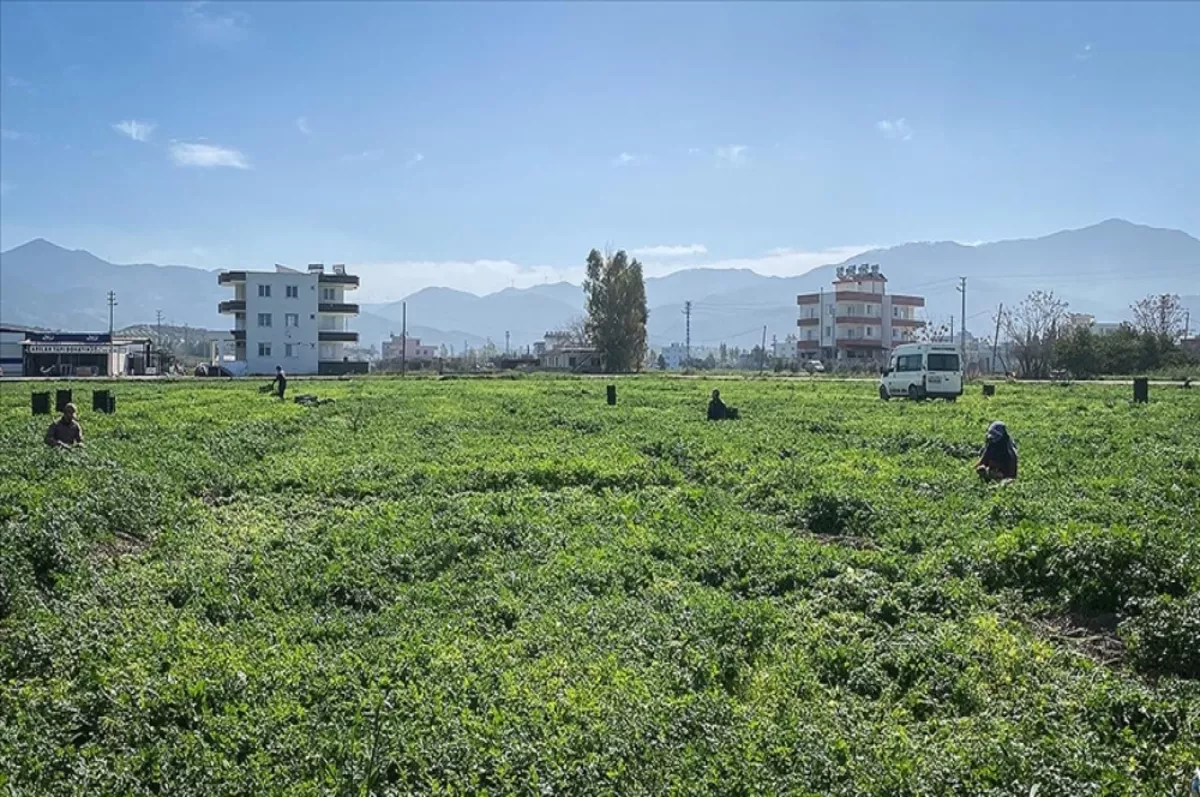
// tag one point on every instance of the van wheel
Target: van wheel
(883, 394)
(952, 399)
(914, 393)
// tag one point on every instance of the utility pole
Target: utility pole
(158, 325)
(951, 329)
(962, 344)
(403, 337)
(687, 335)
(506, 343)
(996, 339)
(762, 357)
(1187, 323)
(112, 302)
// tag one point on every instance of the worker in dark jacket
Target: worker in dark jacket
(998, 460)
(280, 381)
(66, 431)
(717, 410)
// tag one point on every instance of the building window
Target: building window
(895, 312)
(264, 350)
(870, 334)
(291, 319)
(264, 319)
(264, 290)
(289, 350)
(328, 295)
(828, 332)
(293, 292)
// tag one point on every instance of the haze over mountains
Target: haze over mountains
(1099, 269)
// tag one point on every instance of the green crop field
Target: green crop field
(508, 587)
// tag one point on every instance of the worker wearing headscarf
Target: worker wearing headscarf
(998, 460)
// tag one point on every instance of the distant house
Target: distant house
(583, 359)
(560, 351)
(12, 358)
(409, 349)
(1088, 321)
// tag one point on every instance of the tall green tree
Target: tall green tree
(616, 305)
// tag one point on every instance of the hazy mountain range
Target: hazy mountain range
(1099, 269)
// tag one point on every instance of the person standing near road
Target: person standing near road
(66, 431)
(280, 381)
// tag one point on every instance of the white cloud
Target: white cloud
(780, 262)
(302, 125)
(207, 156)
(12, 81)
(895, 129)
(214, 27)
(734, 155)
(1084, 53)
(6, 187)
(624, 159)
(365, 155)
(414, 160)
(385, 282)
(670, 251)
(11, 135)
(138, 131)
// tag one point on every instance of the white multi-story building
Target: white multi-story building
(295, 319)
(858, 320)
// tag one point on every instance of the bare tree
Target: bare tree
(1160, 315)
(574, 331)
(1033, 326)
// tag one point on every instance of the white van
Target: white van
(923, 370)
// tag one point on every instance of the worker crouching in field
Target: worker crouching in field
(66, 431)
(998, 462)
(280, 381)
(717, 411)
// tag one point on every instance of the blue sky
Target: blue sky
(484, 145)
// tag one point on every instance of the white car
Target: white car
(814, 367)
(922, 370)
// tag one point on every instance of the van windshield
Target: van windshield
(943, 362)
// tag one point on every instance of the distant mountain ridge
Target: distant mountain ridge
(1099, 269)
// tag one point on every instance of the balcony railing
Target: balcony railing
(345, 280)
(232, 306)
(869, 343)
(238, 334)
(227, 277)
(809, 322)
(344, 308)
(337, 336)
